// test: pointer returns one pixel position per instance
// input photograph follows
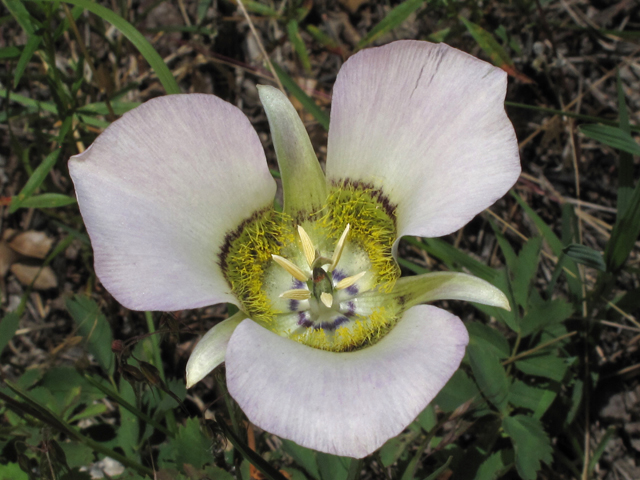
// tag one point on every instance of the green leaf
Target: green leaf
(395, 448)
(544, 314)
(531, 444)
(12, 471)
(191, 445)
(393, 19)
(488, 337)
(93, 325)
(77, 454)
(526, 268)
(586, 256)
(46, 200)
(333, 467)
(304, 457)
(489, 374)
(306, 101)
(436, 473)
(8, 327)
(613, 136)
(554, 242)
(35, 180)
(492, 467)
(532, 398)
(458, 390)
(548, 366)
(454, 257)
(137, 39)
(25, 57)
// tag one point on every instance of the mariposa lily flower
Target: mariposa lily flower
(331, 348)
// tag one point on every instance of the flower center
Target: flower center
(319, 282)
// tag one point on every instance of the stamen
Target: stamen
(290, 267)
(296, 294)
(347, 282)
(338, 251)
(307, 246)
(327, 299)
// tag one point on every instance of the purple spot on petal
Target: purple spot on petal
(293, 305)
(297, 284)
(338, 275)
(304, 320)
(332, 325)
(353, 290)
(351, 309)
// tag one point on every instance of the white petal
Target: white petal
(426, 124)
(344, 403)
(158, 192)
(211, 349)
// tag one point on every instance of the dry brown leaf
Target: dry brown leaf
(352, 5)
(26, 274)
(32, 244)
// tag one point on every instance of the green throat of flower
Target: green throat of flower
(318, 279)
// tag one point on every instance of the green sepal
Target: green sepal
(430, 287)
(303, 182)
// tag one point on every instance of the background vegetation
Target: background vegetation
(549, 390)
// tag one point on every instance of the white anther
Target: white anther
(347, 282)
(296, 294)
(307, 246)
(290, 267)
(338, 251)
(327, 299)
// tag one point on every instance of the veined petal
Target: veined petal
(303, 182)
(211, 349)
(344, 403)
(430, 287)
(160, 189)
(426, 125)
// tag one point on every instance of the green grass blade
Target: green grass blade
(22, 16)
(625, 173)
(624, 234)
(35, 180)
(586, 256)
(47, 200)
(298, 44)
(9, 52)
(613, 136)
(306, 101)
(393, 19)
(486, 42)
(25, 57)
(142, 44)
(251, 456)
(587, 118)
